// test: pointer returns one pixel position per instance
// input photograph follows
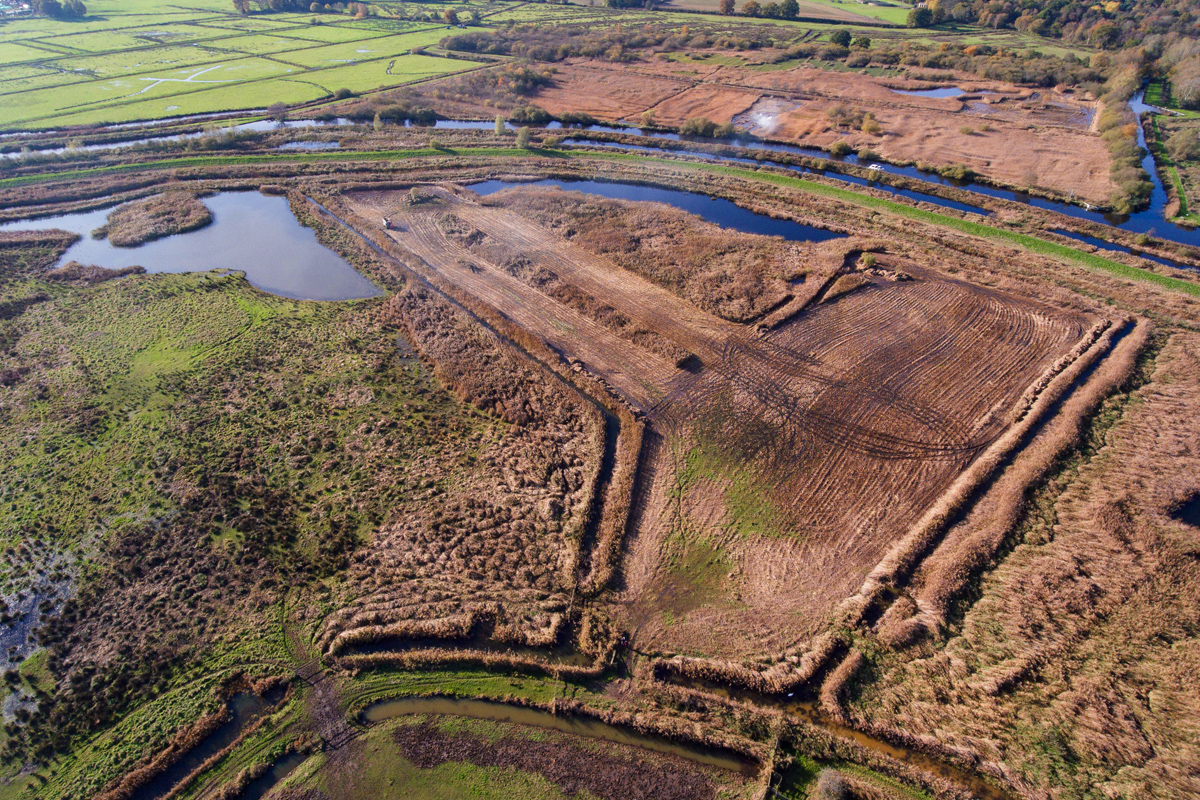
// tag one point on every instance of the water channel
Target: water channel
(244, 708)
(1149, 220)
(250, 232)
(713, 209)
(572, 724)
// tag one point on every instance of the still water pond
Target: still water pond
(250, 232)
(713, 209)
(942, 91)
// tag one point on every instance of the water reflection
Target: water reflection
(250, 232)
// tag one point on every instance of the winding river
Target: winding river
(1149, 220)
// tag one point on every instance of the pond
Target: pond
(941, 91)
(1189, 512)
(250, 232)
(713, 209)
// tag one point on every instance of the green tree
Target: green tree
(751, 8)
(920, 18)
(500, 130)
(524, 138)
(727, 7)
(841, 38)
(789, 9)
(450, 16)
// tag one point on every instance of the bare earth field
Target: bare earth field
(1017, 136)
(796, 455)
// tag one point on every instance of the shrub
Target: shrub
(524, 138)
(830, 783)
(534, 115)
(579, 118)
(920, 18)
(1184, 145)
(698, 126)
(726, 131)
(840, 149)
(957, 172)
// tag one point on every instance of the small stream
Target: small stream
(250, 232)
(810, 711)
(262, 785)
(244, 709)
(575, 725)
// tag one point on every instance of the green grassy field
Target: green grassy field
(128, 62)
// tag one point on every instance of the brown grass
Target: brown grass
(1087, 620)
(155, 217)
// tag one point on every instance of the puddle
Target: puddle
(942, 91)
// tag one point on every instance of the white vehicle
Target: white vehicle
(876, 167)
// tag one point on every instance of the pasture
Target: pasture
(125, 63)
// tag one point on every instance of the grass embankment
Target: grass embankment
(1166, 164)
(1023, 240)
(1158, 94)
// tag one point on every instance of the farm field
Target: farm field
(750, 415)
(155, 63)
(831, 10)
